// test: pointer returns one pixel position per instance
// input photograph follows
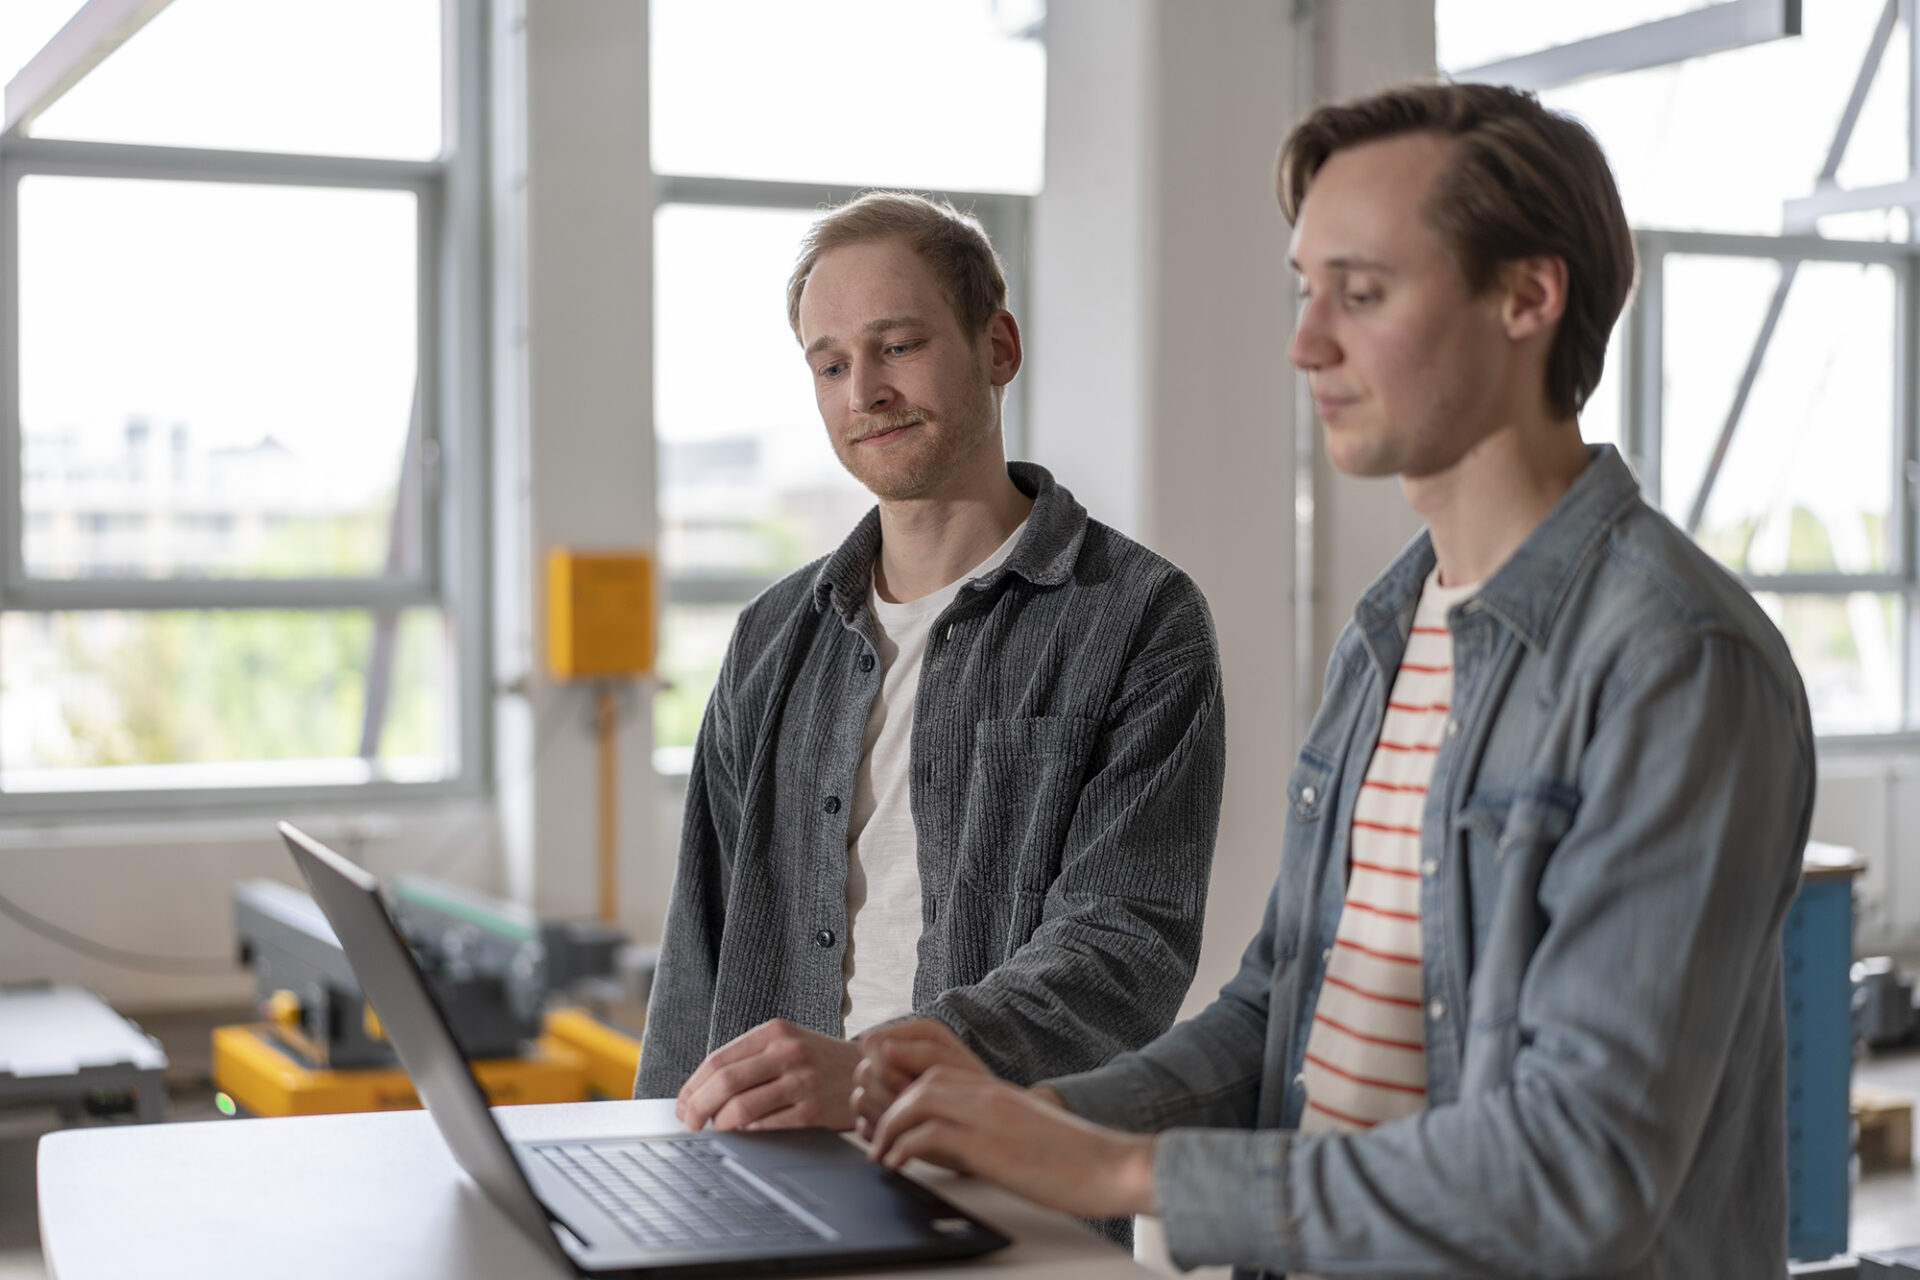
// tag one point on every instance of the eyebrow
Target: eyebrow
(1348, 262)
(881, 325)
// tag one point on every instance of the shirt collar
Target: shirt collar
(1525, 592)
(1044, 556)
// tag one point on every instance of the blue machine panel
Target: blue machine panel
(1816, 954)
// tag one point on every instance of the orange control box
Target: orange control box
(599, 613)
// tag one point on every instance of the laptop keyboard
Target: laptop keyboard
(675, 1193)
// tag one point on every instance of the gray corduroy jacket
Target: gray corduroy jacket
(1068, 749)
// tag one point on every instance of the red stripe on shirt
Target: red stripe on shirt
(1377, 955)
(1341, 1116)
(1386, 827)
(1413, 1045)
(1393, 786)
(1414, 708)
(1426, 671)
(1365, 994)
(1370, 909)
(1407, 746)
(1419, 1090)
(1431, 631)
(1386, 871)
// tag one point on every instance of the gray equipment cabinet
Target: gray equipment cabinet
(64, 1045)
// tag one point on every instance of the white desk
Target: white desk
(368, 1197)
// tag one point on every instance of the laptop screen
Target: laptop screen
(398, 990)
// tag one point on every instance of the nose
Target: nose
(870, 389)
(1313, 346)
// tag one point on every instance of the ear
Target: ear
(1536, 296)
(1003, 348)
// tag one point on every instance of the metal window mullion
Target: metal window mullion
(1716, 28)
(1906, 469)
(51, 596)
(762, 193)
(1646, 407)
(12, 471)
(463, 552)
(1826, 584)
(205, 164)
(1788, 248)
(269, 801)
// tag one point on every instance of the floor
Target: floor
(1886, 1206)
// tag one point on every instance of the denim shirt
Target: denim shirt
(1610, 842)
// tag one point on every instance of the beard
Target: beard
(924, 461)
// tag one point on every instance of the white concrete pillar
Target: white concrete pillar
(572, 425)
(1161, 310)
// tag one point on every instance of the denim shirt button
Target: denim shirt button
(1430, 868)
(1437, 1010)
(1308, 795)
(1300, 1081)
(1326, 955)
(1453, 726)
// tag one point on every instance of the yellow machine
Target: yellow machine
(257, 1074)
(609, 1054)
(494, 967)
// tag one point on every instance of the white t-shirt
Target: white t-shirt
(883, 855)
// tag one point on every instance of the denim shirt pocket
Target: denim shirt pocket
(1507, 838)
(1022, 789)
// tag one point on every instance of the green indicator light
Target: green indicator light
(225, 1104)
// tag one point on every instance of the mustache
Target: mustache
(874, 424)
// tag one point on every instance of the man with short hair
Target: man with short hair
(1515, 1007)
(967, 767)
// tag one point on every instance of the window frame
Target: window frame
(1642, 427)
(1714, 28)
(451, 421)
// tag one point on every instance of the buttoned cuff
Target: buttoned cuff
(1220, 1195)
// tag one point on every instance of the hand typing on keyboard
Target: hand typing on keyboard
(776, 1076)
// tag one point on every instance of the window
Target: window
(749, 486)
(238, 555)
(1762, 383)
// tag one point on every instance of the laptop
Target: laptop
(694, 1204)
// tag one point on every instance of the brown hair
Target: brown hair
(1524, 182)
(948, 241)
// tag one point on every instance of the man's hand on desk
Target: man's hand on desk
(895, 1056)
(776, 1076)
(1021, 1139)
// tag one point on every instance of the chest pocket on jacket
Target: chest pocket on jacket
(1023, 784)
(1506, 841)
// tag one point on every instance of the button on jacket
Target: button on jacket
(1068, 749)
(1610, 843)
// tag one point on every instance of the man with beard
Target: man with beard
(967, 768)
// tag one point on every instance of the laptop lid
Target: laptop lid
(392, 980)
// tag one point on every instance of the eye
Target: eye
(832, 370)
(1356, 298)
(900, 348)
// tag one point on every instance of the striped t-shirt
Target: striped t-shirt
(1366, 1054)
